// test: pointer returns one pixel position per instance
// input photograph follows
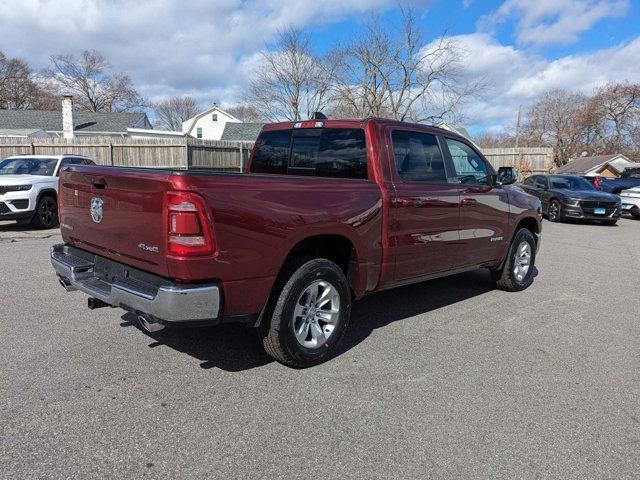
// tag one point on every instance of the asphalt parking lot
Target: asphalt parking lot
(444, 379)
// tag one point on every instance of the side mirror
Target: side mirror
(507, 175)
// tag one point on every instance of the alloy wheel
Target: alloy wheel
(522, 261)
(316, 314)
(48, 212)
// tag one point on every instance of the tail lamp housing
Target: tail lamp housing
(189, 230)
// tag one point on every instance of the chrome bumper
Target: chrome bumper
(138, 291)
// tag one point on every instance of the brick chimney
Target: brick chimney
(107, 107)
(67, 116)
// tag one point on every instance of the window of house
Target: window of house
(214, 117)
(469, 166)
(418, 158)
(199, 132)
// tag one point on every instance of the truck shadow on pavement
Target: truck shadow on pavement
(236, 348)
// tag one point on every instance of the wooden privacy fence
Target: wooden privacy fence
(187, 153)
(182, 153)
(527, 159)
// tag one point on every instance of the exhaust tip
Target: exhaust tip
(66, 284)
(149, 324)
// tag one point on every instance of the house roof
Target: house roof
(20, 132)
(51, 120)
(586, 164)
(241, 132)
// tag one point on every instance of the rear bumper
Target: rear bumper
(122, 286)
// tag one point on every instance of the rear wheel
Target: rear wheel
(310, 313)
(517, 272)
(46, 215)
(553, 213)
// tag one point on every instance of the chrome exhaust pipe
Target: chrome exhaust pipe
(149, 324)
(66, 284)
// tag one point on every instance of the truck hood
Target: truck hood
(6, 180)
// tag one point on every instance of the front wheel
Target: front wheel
(46, 215)
(517, 272)
(310, 313)
(636, 215)
(553, 213)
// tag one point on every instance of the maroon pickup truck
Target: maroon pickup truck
(327, 212)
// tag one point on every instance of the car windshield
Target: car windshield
(571, 183)
(28, 166)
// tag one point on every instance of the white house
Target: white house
(209, 124)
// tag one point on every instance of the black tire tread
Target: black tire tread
(291, 272)
(504, 278)
(36, 222)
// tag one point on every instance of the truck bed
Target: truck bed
(256, 220)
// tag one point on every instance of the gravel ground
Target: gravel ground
(444, 379)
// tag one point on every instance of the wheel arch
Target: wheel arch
(47, 192)
(337, 248)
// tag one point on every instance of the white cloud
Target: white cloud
(516, 77)
(168, 47)
(544, 22)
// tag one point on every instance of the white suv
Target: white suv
(29, 187)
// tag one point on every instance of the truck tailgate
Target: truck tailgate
(126, 222)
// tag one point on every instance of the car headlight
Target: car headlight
(15, 188)
(574, 202)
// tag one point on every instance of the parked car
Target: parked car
(630, 178)
(328, 211)
(631, 201)
(570, 196)
(29, 186)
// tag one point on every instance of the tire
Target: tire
(554, 213)
(298, 339)
(635, 215)
(609, 222)
(509, 277)
(46, 215)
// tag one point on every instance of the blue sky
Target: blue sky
(521, 48)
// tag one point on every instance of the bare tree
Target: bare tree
(390, 72)
(93, 83)
(555, 120)
(19, 88)
(173, 111)
(618, 105)
(291, 83)
(246, 113)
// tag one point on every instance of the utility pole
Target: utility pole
(518, 126)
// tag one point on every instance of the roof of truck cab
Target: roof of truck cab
(360, 123)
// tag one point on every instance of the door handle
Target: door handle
(466, 202)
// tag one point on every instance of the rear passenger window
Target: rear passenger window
(319, 152)
(329, 152)
(418, 158)
(271, 153)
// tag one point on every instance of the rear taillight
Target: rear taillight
(189, 231)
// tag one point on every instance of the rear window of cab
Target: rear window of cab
(319, 152)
